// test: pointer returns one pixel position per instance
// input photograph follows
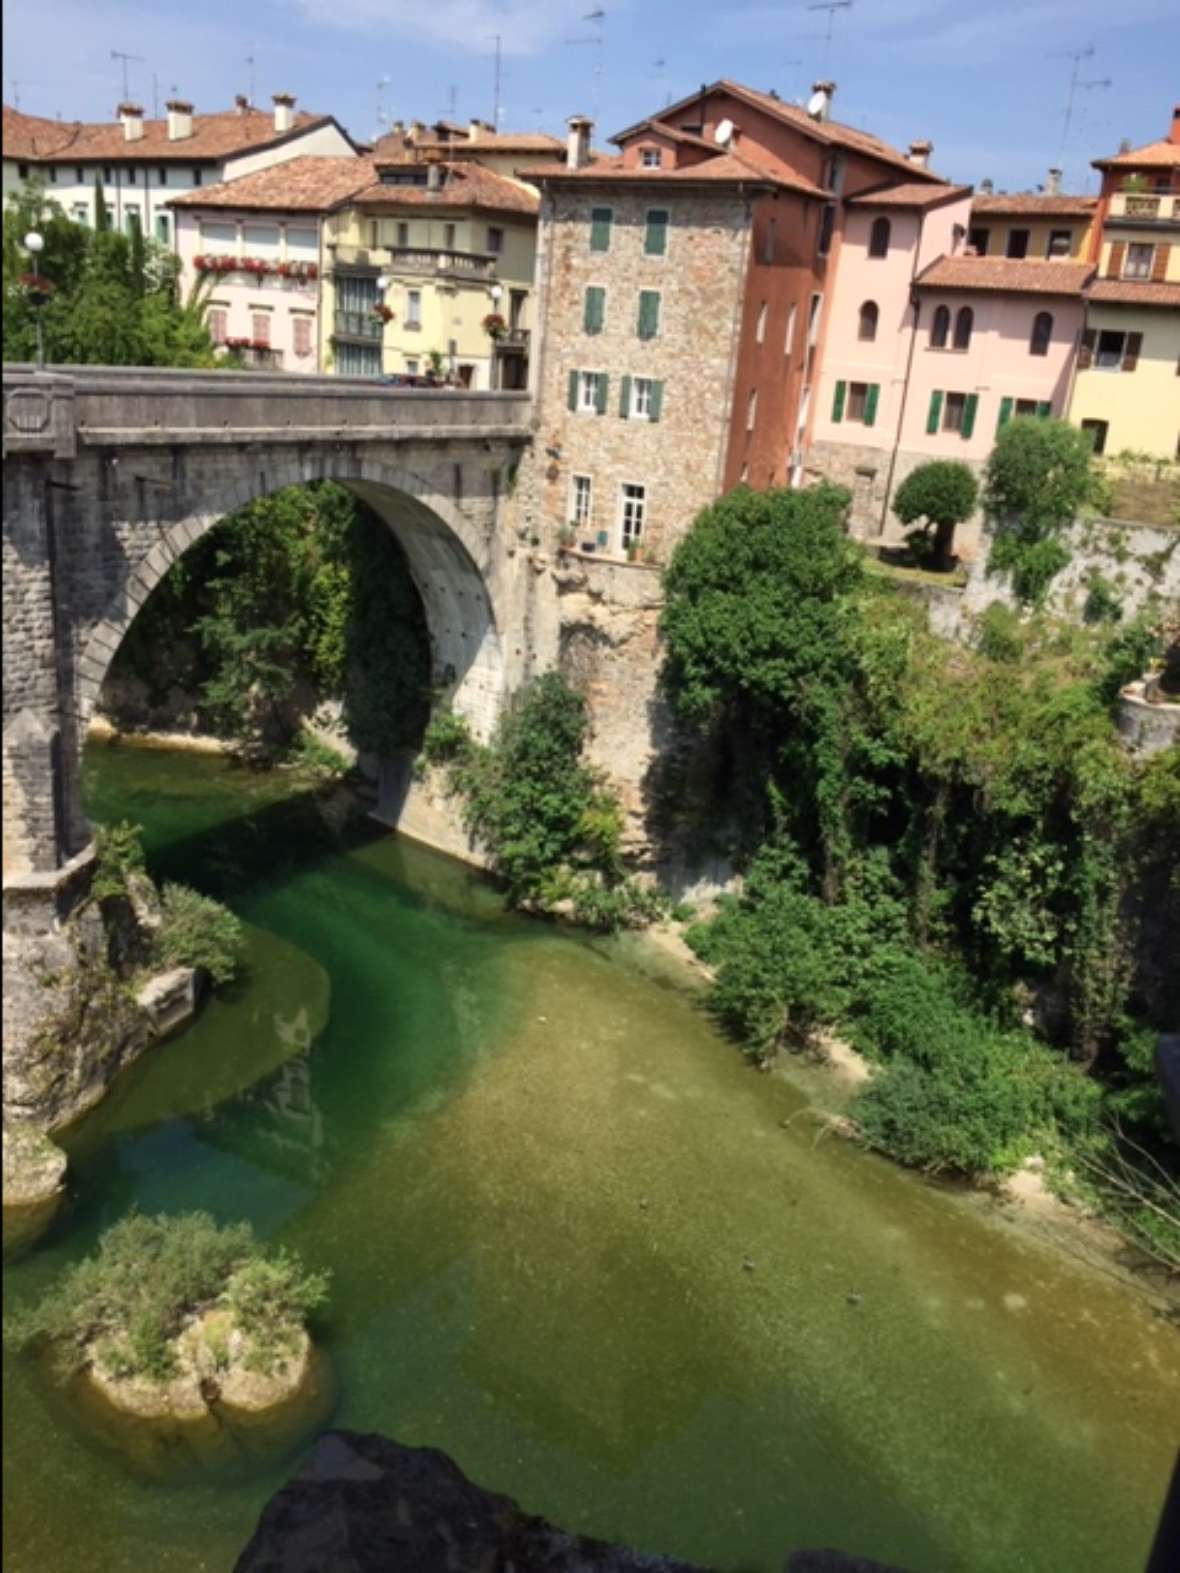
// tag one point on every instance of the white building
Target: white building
(143, 164)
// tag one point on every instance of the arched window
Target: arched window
(1042, 332)
(940, 328)
(868, 321)
(879, 238)
(964, 322)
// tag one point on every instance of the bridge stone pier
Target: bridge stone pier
(110, 475)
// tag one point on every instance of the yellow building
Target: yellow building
(1033, 226)
(418, 263)
(1126, 390)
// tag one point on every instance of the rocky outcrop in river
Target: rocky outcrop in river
(367, 1504)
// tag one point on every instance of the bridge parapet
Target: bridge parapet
(54, 412)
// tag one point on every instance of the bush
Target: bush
(196, 931)
(149, 1275)
(447, 738)
(118, 854)
(942, 493)
(1102, 604)
(1039, 476)
(1127, 657)
(1001, 637)
(1033, 564)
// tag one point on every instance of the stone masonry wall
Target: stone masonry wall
(865, 472)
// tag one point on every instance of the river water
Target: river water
(576, 1243)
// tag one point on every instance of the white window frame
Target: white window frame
(413, 316)
(588, 384)
(789, 341)
(1140, 273)
(638, 385)
(651, 158)
(581, 489)
(629, 507)
(412, 365)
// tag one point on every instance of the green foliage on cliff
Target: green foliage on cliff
(971, 812)
(114, 301)
(1040, 476)
(125, 1304)
(196, 931)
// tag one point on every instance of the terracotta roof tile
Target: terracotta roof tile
(1162, 153)
(1036, 205)
(215, 136)
(31, 136)
(731, 167)
(394, 146)
(465, 185)
(1006, 273)
(1127, 292)
(908, 194)
(310, 184)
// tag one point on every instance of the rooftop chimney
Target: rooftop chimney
(132, 117)
(987, 187)
(180, 119)
(416, 130)
(1053, 183)
(1175, 133)
(1124, 144)
(284, 110)
(919, 153)
(474, 131)
(434, 174)
(241, 103)
(577, 145)
(822, 95)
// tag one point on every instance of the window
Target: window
(403, 235)
(260, 326)
(516, 304)
(132, 221)
(1060, 243)
(413, 314)
(373, 232)
(81, 213)
(196, 177)
(752, 409)
(412, 364)
(1040, 408)
(107, 174)
(650, 157)
(495, 239)
(588, 392)
(827, 223)
(648, 325)
(356, 294)
(1042, 333)
(1115, 351)
(977, 239)
(79, 174)
(760, 326)
(217, 325)
(301, 335)
(600, 226)
(358, 360)
(23, 171)
(964, 322)
(581, 500)
(789, 341)
(830, 171)
(879, 238)
(1096, 430)
(953, 412)
(162, 228)
(161, 177)
(655, 237)
(131, 177)
(593, 308)
(856, 401)
(645, 399)
(633, 507)
(1138, 262)
(940, 328)
(448, 237)
(813, 312)
(1017, 243)
(867, 330)
(769, 240)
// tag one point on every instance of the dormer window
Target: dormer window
(650, 157)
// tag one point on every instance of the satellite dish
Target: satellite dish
(816, 104)
(724, 133)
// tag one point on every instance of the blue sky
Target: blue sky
(982, 83)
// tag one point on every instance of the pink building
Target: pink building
(255, 245)
(985, 339)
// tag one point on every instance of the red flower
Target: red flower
(37, 284)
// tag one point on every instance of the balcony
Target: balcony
(359, 325)
(1149, 210)
(514, 340)
(418, 261)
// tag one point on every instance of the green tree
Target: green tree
(1039, 476)
(942, 493)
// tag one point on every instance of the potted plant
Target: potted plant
(635, 552)
(494, 325)
(383, 312)
(567, 535)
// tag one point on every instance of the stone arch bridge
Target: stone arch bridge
(111, 474)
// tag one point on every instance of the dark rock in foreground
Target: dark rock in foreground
(365, 1504)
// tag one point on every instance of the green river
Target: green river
(537, 1174)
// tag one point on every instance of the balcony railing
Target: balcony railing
(417, 260)
(1146, 207)
(513, 339)
(358, 325)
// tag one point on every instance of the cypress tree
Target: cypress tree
(101, 222)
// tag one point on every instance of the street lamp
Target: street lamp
(35, 245)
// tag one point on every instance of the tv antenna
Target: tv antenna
(118, 54)
(249, 61)
(598, 17)
(1077, 56)
(382, 118)
(659, 71)
(831, 7)
(496, 39)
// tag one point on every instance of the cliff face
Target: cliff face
(366, 1504)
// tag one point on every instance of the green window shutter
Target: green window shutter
(970, 405)
(573, 390)
(594, 308)
(1005, 412)
(649, 313)
(625, 396)
(655, 241)
(935, 412)
(656, 401)
(1044, 409)
(838, 402)
(871, 398)
(603, 389)
(600, 219)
